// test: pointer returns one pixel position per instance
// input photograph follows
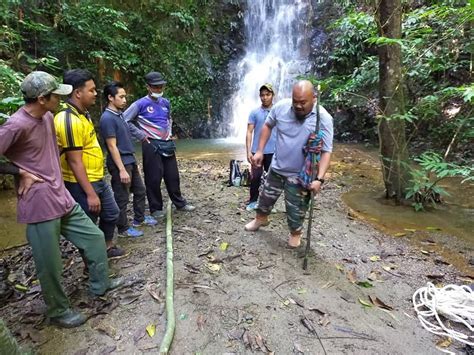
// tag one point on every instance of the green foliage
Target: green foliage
(8, 106)
(423, 188)
(118, 38)
(437, 51)
(9, 79)
(353, 32)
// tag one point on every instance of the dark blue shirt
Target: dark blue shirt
(112, 125)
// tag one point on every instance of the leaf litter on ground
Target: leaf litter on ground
(379, 303)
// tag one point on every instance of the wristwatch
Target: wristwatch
(320, 180)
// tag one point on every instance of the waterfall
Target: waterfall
(276, 51)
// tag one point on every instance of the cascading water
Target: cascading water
(276, 52)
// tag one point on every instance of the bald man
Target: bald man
(294, 120)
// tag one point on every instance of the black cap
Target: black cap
(155, 78)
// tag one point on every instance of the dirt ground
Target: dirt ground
(240, 292)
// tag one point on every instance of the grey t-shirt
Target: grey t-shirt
(113, 125)
(292, 135)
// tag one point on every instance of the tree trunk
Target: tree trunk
(393, 148)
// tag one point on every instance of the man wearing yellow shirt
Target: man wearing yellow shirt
(82, 161)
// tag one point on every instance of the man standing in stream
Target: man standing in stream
(294, 121)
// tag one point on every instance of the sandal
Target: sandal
(115, 252)
(294, 240)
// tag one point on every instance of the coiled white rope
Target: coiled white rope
(452, 302)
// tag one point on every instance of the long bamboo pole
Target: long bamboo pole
(170, 318)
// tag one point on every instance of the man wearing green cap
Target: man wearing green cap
(28, 140)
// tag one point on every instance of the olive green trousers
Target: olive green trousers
(43, 238)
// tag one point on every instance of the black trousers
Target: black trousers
(256, 175)
(122, 194)
(156, 168)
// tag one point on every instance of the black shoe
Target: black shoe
(70, 319)
(187, 208)
(115, 252)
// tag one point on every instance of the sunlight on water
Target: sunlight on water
(275, 52)
(211, 149)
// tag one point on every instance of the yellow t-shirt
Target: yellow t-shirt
(75, 131)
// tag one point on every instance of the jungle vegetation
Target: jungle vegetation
(398, 72)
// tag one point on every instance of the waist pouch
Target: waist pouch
(164, 148)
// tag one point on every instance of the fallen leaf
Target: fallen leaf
(21, 288)
(107, 329)
(328, 284)
(236, 334)
(155, 295)
(224, 246)
(296, 300)
(352, 276)
(377, 302)
(297, 348)
(260, 343)
(364, 284)
(301, 291)
(151, 329)
(401, 234)
(389, 267)
(444, 343)
(128, 299)
(412, 230)
(213, 267)
(374, 258)
(374, 276)
(324, 321)
(433, 228)
(200, 321)
(425, 252)
(364, 303)
(340, 267)
(317, 310)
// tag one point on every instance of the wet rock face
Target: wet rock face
(325, 12)
(229, 43)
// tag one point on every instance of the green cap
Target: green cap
(268, 87)
(40, 83)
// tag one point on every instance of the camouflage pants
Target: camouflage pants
(296, 199)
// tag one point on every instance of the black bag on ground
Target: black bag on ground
(235, 176)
